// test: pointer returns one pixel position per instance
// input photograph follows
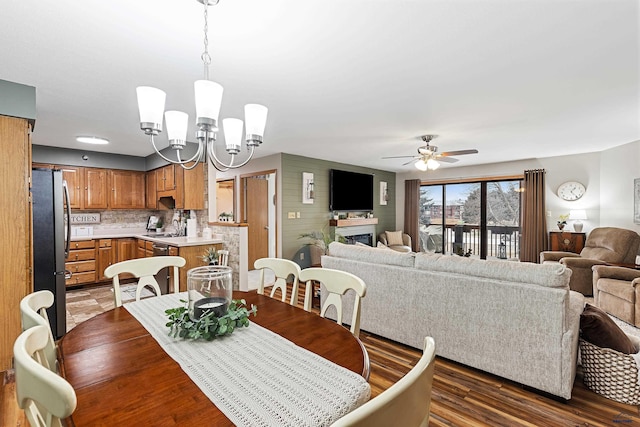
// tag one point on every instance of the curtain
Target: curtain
(534, 221)
(411, 211)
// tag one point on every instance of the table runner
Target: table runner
(255, 376)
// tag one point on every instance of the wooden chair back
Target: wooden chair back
(45, 396)
(337, 283)
(144, 269)
(283, 269)
(406, 403)
(223, 257)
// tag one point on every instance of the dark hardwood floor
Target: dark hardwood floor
(461, 396)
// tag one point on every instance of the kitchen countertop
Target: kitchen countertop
(145, 235)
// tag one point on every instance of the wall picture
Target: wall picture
(307, 188)
(384, 195)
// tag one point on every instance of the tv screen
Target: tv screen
(350, 191)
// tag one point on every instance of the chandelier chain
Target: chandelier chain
(206, 58)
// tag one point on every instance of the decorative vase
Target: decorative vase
(561, 226)
(210, 290)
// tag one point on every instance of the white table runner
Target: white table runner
(256, 377)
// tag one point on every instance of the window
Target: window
(477, 219)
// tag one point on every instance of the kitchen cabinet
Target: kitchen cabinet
(75, 183)
(16, 229)
(105, 256)
(82, 263)
(95, 189)
(127, 189)
(567, 241)
(151, 190)
(145, 248)
(178, 188)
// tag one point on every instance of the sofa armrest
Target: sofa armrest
(406, 239)
(613, 272)
(579, 262)
(555, 255)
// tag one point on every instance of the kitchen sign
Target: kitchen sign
(85, 218)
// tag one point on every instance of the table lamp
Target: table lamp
(577, 215)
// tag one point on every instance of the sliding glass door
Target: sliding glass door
(475, 219)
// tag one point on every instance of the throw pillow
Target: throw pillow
(394, 238)
(381, 245)
(599, 329)
(362, 244)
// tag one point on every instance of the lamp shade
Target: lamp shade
(433, 164)
(232, 134)
(255, 116)
(151, 104)
(177, 123)
(208, 99)
(421, 165)
(578, 214)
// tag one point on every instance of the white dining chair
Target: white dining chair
(223, 257)
(337, 283)
(33, 312)
(144, 269)
(283, 269)
(45, 396)
(406, 403)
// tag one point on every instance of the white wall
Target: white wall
(584, 168)
(619, 166)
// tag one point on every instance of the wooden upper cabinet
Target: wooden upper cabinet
(194, 187)
(95, 189)
(151, 196)
(166, 178)
(75, 182)
(127, 189)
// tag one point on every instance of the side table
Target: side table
(567, 241)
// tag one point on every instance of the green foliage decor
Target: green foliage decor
(208, 326)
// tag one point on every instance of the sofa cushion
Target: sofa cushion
(600, 330)
(372, 255)
(549, 275)
(394, 238)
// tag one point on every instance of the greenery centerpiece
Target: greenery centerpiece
(209, 326)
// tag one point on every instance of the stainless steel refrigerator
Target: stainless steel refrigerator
(50, 242)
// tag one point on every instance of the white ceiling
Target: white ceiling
(349, 81)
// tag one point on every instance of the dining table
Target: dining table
(127, 370)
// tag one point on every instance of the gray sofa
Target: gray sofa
(516, 320)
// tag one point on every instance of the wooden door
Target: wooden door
(257, 217)
(95, 188)
(127, 189)
(74, 178)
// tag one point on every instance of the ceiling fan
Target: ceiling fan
(428, 157)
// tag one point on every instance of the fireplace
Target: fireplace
(367, 239)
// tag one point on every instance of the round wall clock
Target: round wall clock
(571, 190)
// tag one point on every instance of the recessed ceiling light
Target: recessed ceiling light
(92, 140)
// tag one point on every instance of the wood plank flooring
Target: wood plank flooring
(461, 396)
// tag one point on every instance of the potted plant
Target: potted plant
(319, 243)
(159, 225)
(210, 256)
(562, 221)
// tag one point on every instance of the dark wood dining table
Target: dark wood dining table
(122, 376)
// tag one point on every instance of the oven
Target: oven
(162, 249)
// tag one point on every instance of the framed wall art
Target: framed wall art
(384, 194)
(307, 188)
(636, 200)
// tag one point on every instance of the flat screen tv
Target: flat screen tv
(350, 191)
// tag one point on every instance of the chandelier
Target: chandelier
(208, 95)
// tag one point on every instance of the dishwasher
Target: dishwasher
(162, 249)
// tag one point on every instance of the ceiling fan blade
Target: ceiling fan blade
(458, 153)
(398, 157)
(409, 162)
(446, 159)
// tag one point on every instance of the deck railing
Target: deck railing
(503, 242)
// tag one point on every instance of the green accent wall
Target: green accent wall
(316, 216)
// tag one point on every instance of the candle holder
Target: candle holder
(210, 290)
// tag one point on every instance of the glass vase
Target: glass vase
(210, 290)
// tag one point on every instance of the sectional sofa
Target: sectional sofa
(516, 320)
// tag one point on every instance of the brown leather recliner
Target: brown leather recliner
(605, 245)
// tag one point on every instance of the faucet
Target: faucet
(177, 225)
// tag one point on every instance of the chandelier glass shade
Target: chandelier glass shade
(208, 99)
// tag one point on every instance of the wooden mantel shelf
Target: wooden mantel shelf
(352, 221)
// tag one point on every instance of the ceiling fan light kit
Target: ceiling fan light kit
(428, 157)
(208, 99)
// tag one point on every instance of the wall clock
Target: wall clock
(571, 190)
